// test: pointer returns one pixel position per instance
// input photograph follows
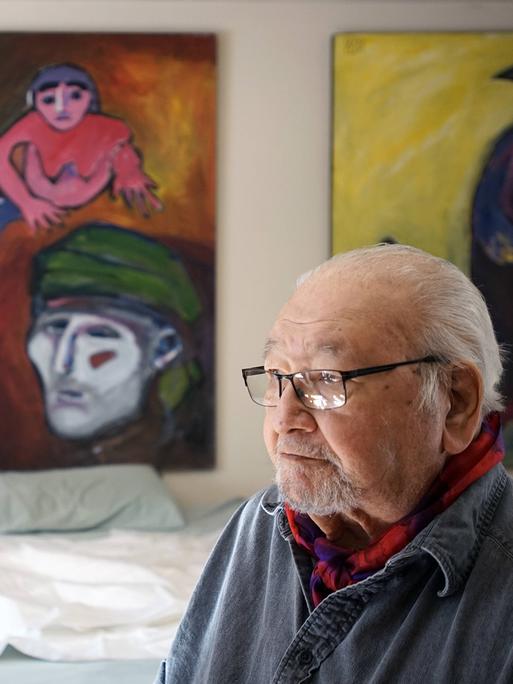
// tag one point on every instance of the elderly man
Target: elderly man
(385, 554)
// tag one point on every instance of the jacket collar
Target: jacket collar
(454, 537)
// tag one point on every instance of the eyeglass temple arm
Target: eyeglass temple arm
(347, 375)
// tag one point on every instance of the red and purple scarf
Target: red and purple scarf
(337, 567)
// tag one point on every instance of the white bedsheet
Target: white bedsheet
(117, 596)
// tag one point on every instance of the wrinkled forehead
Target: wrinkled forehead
(334, 313)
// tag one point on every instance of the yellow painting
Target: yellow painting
(414, 117)
(423, 155)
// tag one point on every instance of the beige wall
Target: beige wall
(274, 164)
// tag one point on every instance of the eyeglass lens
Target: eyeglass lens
(317, 389)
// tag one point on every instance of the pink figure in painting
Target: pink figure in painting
(71, 152)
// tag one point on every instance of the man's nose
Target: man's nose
(64, 359)
(290, 414)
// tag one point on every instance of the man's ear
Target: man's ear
(167, 347)
(463, 418)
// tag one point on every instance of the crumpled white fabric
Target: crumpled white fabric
(118, 596)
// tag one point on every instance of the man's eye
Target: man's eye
(103, 331)
(76, 94)
(329, 377)
(48, 99)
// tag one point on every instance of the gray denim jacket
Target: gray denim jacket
(440, 611)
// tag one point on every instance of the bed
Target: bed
(97, 565)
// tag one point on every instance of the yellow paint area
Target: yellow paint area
(414, 117)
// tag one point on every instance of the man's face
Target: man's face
(63, 106)
(377, 454)
(93, 370)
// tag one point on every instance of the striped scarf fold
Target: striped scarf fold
(337, 567)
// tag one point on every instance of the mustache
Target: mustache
(293, 445)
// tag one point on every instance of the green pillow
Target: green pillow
(73, 499)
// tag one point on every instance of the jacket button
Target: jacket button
(305, 656)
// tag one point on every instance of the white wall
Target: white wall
(274, 166)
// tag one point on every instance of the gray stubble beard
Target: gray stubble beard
(328, 494)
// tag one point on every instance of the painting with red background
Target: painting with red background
(162, 91)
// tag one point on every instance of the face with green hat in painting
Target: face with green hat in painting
(110, 310)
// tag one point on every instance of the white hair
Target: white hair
(455, 323)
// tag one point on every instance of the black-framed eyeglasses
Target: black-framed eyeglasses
(316, 389)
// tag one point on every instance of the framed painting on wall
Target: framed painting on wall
(423, 155)
(107, 249)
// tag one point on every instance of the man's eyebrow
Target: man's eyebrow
(330, 347)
